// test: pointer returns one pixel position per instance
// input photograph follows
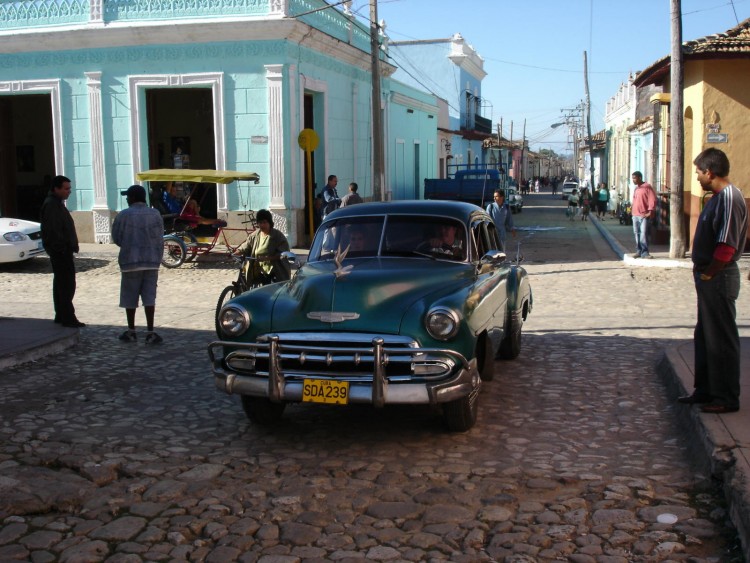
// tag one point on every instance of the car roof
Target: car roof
(457, 209)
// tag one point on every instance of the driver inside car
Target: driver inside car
(446, 240)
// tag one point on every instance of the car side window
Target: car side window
(485, 237)
(493, 239)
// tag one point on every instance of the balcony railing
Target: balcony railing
(482, 124)
(27, 14)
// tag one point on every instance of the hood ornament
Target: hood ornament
(332, 316)
(340, 270)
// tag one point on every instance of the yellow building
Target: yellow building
(716, 98)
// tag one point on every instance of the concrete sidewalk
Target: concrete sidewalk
(724, 440)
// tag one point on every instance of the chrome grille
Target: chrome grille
(342, 356)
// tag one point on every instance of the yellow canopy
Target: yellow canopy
(188, 175)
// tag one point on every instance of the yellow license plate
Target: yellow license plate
(325, 391)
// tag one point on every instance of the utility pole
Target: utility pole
(588, 120)
(523, 149)
(511, 159)
(677, 244)
(378, 166)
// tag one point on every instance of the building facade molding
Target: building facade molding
(137, 86)
(100, 210)
(275, 88)
(43, 86)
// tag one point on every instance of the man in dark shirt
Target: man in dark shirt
(717, 245)
(61, 242)
(331, 200)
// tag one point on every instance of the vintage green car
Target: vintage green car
(403, 302)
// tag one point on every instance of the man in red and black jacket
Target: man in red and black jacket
(717, 245)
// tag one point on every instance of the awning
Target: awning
(189, 175)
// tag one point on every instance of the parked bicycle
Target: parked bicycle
(249, 277)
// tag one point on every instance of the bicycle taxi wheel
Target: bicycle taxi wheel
(191, 245)
(174, 252)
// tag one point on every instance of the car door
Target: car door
(490, 292)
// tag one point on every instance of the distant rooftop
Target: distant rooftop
(734, 42)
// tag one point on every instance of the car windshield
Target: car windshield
(394, 235)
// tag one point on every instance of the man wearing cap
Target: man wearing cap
(138, 231)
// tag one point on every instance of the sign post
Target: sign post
(308, 142)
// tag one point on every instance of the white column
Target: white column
(355, 131)
(274, 81)
(100, 209)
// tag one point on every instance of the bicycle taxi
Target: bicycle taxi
(187, 233)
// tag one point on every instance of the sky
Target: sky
(533, 49)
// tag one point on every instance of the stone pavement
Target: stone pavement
(724, 439)
(722, 434)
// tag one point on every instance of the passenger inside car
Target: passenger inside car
(357, 241)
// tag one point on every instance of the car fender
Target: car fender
(520, 298)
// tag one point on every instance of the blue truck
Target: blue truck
(473, 185)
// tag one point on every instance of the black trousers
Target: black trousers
(63, 285)
(717, 340)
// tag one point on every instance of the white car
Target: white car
(514, 200)
(19, 239)
(568, 188)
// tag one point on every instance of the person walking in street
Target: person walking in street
(331, 200)
(602, 199)
(352, 197)
(572, 204)
(585, 204)
(61, 242)
(643, 206)
(138, 231)
(502, 217)
(719, 240)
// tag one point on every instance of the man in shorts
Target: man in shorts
(138, 231)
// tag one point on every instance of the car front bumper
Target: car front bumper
(19, 251)
(378, 387)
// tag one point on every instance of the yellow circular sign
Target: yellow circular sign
(308, 140)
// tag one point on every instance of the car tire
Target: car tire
(261, 410)
(461, 415)
(510, 347)
(174, 252)
(485, 359)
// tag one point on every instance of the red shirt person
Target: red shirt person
(644, 204)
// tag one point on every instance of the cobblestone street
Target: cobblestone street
(125, 453)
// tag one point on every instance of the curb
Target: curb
(628, 259)
(40, 350)
(714, 450)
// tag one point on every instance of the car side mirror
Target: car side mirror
(493, 258)
(290, 258)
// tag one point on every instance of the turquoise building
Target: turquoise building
(453, 71)
(98, 90)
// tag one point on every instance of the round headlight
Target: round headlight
(234, 320)
(442, 323)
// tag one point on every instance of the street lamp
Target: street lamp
(556, 125)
